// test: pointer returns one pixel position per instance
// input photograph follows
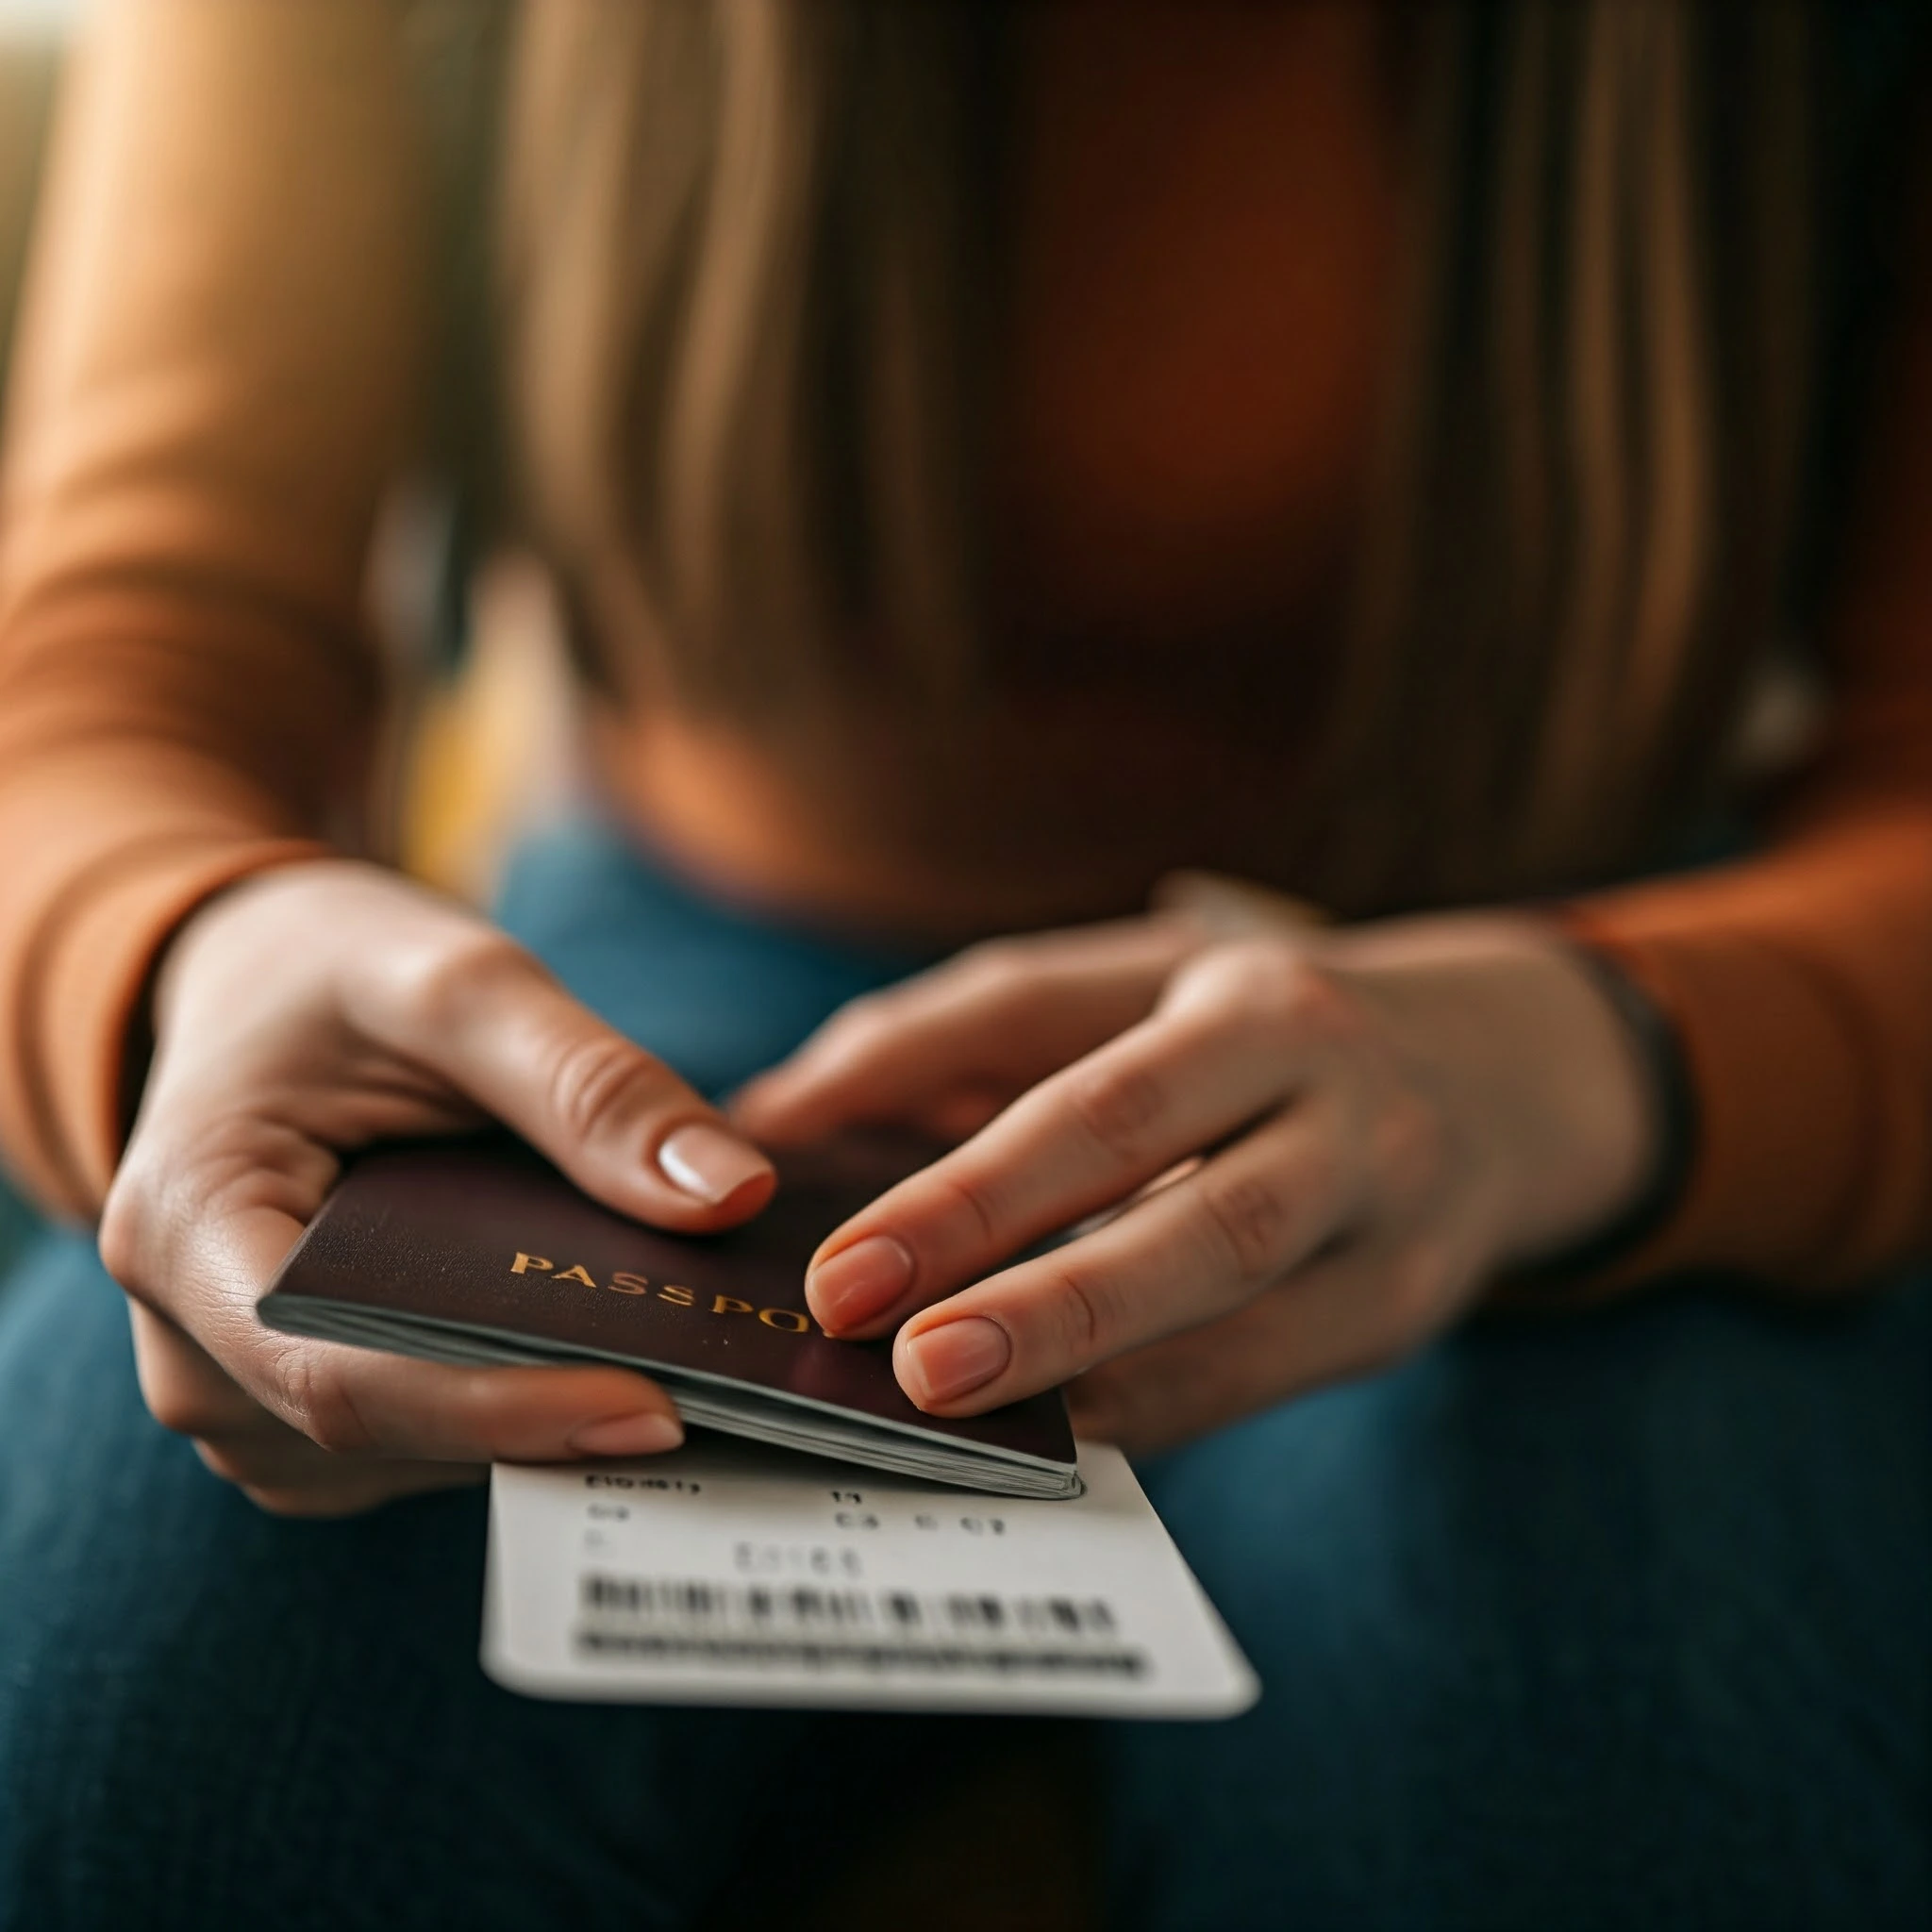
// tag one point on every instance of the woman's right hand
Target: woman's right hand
(303, 1014)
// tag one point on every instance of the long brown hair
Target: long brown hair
(749, 249)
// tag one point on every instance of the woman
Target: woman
(994, 459)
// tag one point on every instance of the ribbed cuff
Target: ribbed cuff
(85, 991)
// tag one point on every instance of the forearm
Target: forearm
(111, 831)
(1800, 986)
(223, 341)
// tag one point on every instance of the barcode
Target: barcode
(816, 1628)
(810, 1606)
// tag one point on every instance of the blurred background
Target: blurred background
(31, 36)
(31, 32)
(478, 741)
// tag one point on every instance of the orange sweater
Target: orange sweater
(186, 688)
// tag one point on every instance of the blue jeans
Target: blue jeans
(1617, 1621)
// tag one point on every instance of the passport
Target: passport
(480, 1253)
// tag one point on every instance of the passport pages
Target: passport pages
(479, 1251)
(901, 1560)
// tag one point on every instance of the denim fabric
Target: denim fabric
(1620, 1621)
(713, 991)
(17, 1226)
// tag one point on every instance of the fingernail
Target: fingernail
(650, 1432)
(705, 1160)
(956, 1358)
(849, 1289)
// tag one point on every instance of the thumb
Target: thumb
(615, 1119)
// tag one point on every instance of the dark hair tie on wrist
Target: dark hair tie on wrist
(1672, 1100)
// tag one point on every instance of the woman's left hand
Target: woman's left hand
(1310, 1152)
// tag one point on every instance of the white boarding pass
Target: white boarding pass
(730, 1573)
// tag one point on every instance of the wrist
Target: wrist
(1535, 1070)
(141, 1021)
(1671, 1104)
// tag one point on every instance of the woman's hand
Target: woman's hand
(301, 1015)
(1310, 1152)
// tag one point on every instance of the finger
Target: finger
(1346, 1315)
(185, 1389)
(1080, 1141)
(958, 1116)
(363, 1402)
(188, 1392)
(276, 1465)
(1184, 1255)
(620, 1123)
(998, 1017)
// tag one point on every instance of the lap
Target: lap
(1622, 1619)
(718, 991)
(208, 1714)
(1608, 1622)
(1618, 1619)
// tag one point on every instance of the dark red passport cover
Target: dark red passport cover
(484, 1239)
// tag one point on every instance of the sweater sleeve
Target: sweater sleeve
(221, 347)
(1800, 981)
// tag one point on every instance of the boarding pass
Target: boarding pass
(730, 1573)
